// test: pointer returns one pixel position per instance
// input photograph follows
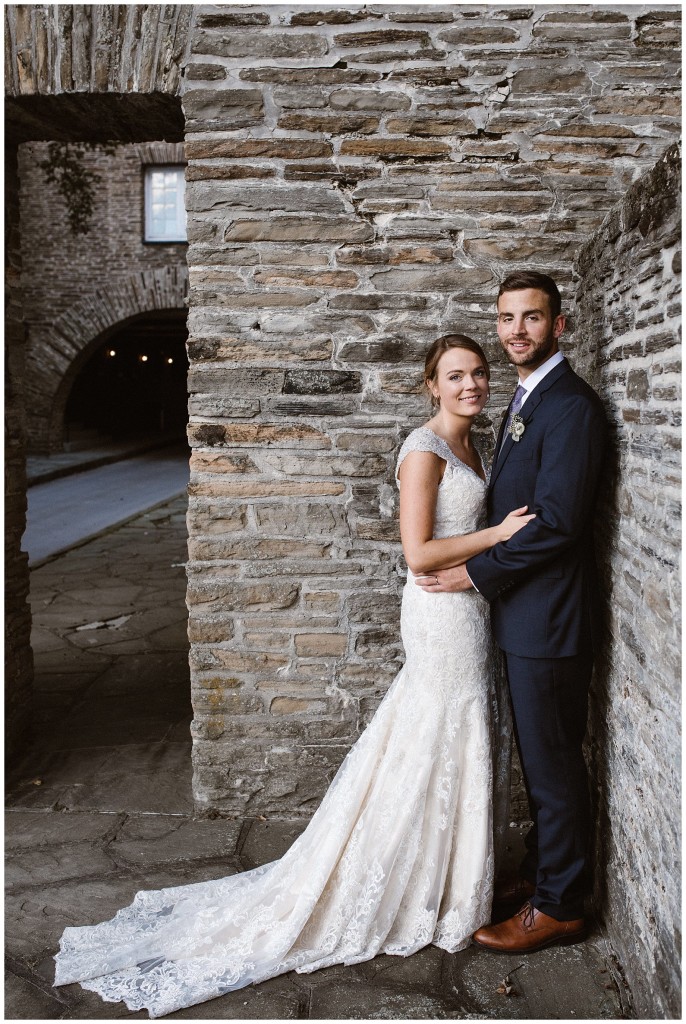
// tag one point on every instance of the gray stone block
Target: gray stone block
(220, 195)
(259, 44)
(150, 778)
(160, 839)
(476, 974)
(222, 109)
(25, 1000)
(33, 829)
(321, 382)
(248, 1004)
(50, 864)
(268, 840)
(342, 1000)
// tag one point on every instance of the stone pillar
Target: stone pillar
(628, 347)
(18, 654)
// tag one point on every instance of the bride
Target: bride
(400, 852)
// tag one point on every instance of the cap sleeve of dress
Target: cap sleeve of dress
(423, 440)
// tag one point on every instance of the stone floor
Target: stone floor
(42, 468)
(79, 506)
(101, 807)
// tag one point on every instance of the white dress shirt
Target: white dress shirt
(539, 373)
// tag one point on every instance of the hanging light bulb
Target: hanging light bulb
(170, 360)
(111, 352)
(143, 359)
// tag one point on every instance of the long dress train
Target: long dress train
(399, 854)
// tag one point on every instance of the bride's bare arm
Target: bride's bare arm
(420, 475)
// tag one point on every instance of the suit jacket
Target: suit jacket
(542, 582)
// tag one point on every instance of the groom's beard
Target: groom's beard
(540, 351)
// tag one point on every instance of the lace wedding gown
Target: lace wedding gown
(399, 853)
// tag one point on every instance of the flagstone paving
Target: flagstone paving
(101, 806)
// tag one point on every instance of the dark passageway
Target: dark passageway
(133, 384)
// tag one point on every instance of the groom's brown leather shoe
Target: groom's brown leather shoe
(529, 930)
(513, 890)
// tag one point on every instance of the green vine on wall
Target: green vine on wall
(75, 182)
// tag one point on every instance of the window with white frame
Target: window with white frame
(165, 211)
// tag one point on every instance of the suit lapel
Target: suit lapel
(502, 427)
(527, 411)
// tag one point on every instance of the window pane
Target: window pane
(165, 207)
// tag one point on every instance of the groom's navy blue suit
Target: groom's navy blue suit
(542, 588)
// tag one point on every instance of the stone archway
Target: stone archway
(60, 56)
(72, 73)
(72, 339)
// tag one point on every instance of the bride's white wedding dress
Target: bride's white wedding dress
(398, 855)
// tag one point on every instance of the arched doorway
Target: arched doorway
(59, 87)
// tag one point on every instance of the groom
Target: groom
(542, 589)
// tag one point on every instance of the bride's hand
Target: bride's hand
(513, 523)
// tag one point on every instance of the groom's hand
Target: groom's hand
(445, 581)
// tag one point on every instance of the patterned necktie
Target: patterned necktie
(514, 409)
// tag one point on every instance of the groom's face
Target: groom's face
(527, 329)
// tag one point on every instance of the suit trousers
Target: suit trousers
(550, 708)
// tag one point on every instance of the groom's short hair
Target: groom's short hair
(520, 279)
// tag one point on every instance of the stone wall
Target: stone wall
(628, 301)
(58, 57)
(18, 654)
(359, 180)
(76, 288)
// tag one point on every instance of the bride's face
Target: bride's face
(460, 383)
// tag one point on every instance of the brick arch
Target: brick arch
(79, 331)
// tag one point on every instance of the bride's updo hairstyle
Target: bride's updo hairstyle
(442, 345)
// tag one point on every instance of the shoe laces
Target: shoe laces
(528, 915)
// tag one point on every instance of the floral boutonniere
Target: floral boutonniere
(517, 427)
